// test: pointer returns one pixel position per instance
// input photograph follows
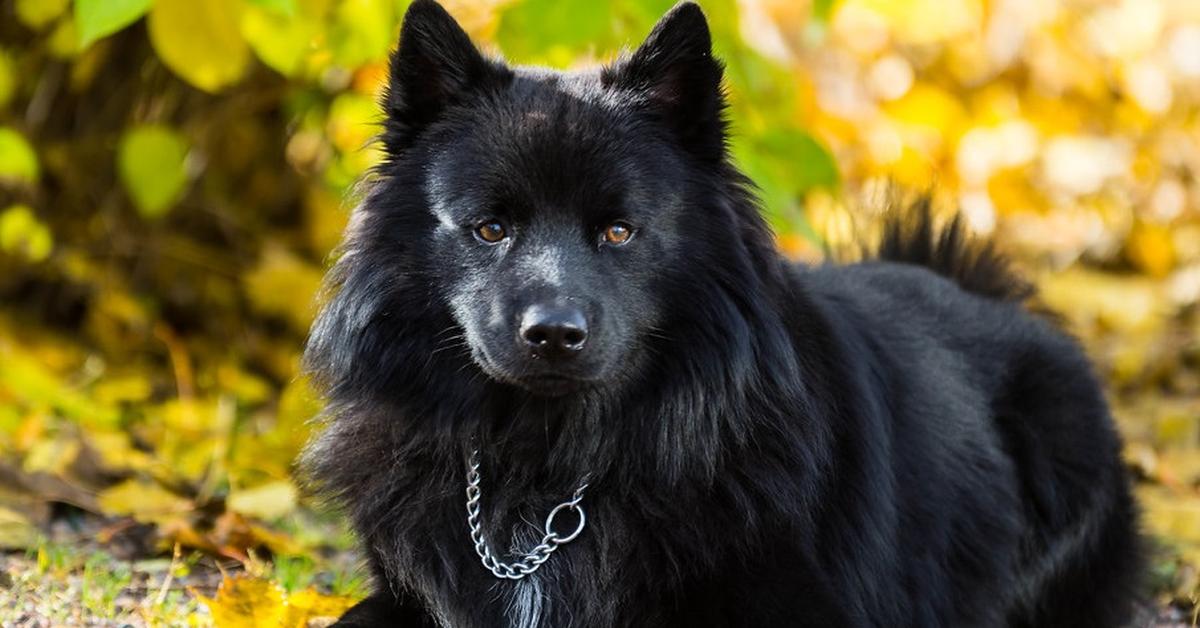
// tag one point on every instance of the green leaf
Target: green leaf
(21, 233)
(822, 9)
(788, 158)
(100, 18)
(18, 161)
(554, 32)
(282, 7)
(37, 13)
(202, 42)
(812, 165)
(150, 161)
(361, 31)
(280, 41)
(785, 165)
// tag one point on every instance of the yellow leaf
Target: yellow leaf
(325, 217)
(267, 501)
(1174, 515)
(200, 41)
(284, 285)
(21, 233)
(361, 32)
(280, 41)
(1151, 249)
(38, 13)
(143, 500)
(310, 606)
(64, 41)
(117, 452)
(18, 161)
(353, 120)
(51, 456)
(16, 531)
(246, 602)
(122, 388)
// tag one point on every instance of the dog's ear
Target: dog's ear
(435, 66)
(676, 76)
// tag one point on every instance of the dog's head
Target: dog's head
(551, 214)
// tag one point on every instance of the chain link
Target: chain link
(531, 560)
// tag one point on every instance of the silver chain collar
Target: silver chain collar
(531, 560)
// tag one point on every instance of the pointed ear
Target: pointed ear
(676, 76)
(436, 66)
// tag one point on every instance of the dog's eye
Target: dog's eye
(618, 233)
(490, 231)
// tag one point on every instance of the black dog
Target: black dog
(564, 273)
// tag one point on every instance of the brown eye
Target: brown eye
(491, 231)
(618, 233)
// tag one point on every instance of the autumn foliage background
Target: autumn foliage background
(175, 173)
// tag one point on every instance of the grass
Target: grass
(70, 584)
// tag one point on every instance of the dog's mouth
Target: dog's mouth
(551, 385)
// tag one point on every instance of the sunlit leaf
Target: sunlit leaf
(151, 162)
(1151, 249)
(64, 41)
(299, 404)
(361, 32)
(16, 531)
(38, 13)
(246, 602)
(554, 32)
(21, 233)
(200, 41)
(282, 7)
(117, 452)
(52, 456)
(100, 18)
(18, 161)
(353, 120)
(285, 286)
(266, 501)
(143, 500)
(281, 40)
(25, 376)
(306, 607)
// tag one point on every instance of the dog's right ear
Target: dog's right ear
(435, 67)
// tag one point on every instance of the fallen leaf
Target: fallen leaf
(266, 501)
(246, 602)
(144, 500)
(16, 531)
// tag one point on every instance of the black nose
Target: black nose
(554, 331)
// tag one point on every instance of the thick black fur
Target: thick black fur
(896, 442)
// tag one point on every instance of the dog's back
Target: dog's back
(975, 378)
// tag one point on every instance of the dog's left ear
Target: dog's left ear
(675, 74)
